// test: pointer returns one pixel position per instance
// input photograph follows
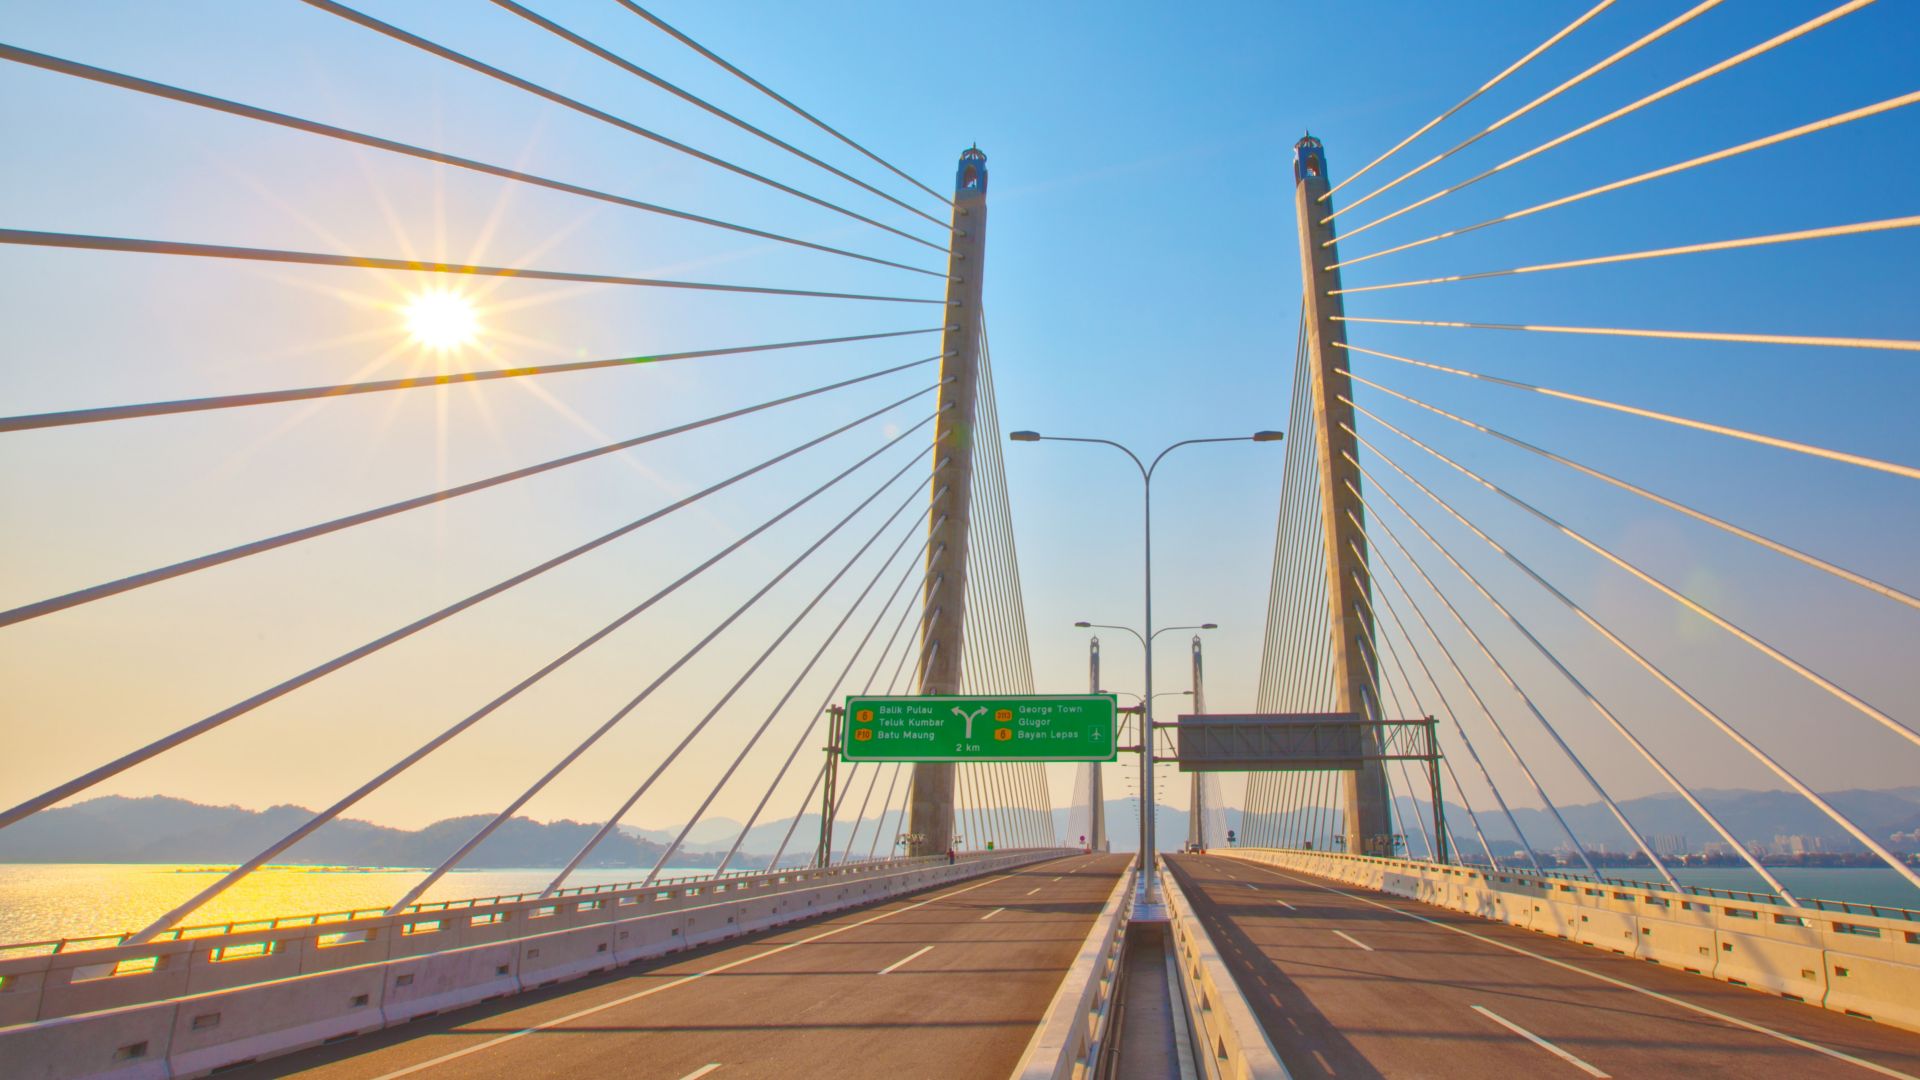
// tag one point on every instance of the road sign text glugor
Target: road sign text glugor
(986, 727)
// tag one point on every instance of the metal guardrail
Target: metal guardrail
(1233, 1045)
(57, 946)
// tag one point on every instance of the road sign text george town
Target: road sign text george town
(990, 727)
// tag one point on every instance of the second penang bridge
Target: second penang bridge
(1363, 887)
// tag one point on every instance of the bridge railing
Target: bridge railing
(59, 979)
(1864, 965)
(185, 1008)
(58, 946)
(1848, 907)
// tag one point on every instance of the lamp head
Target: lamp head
(1025, 436)
(1209, 626)
(1258, 436)
(1083, 625)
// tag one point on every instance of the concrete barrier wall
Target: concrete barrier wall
(1066, 1044)
(92, 1022)
(1224, 1025)
(1864, 965)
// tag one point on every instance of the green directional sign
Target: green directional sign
(991, 727)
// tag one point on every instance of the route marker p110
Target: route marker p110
(988, 727)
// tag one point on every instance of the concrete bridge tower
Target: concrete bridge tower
(1368, 828)
(946, 590)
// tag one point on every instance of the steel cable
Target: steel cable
(139, 85)
(418, 42)
(762, 87)
(255, 547)
(1705, 73)
(85, 242)
(1841, 456)
(286, 686)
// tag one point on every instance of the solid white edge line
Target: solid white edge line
(701, 1071)
(682, 981)
(992, 913)
(1749, 1025)
(905, 960)
(1539, 1042)
(1355, 940)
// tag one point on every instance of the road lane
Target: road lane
(1418, 1004)
(959, 997)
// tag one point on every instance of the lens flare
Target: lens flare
(442, 320)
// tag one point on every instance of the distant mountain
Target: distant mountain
(1752, 816)
(167, 830)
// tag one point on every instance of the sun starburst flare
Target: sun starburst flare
(442, 320)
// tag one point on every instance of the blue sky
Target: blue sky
(1142, 284)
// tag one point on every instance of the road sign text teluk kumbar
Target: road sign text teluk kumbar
(996, 727)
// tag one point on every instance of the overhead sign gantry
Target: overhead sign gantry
(985, 727)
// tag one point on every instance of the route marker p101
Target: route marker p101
(992, 727)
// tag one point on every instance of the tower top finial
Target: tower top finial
(1309, 159)
(971, 177)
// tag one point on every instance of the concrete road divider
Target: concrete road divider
(1230, 1036)
(1067, 1042)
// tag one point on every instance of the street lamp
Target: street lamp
(1147, 846)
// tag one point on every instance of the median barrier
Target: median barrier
(1226, 1029)
(1606, 929)
(423, 985)
(1684, 939)
(224, 1028)
(20, 988)
(565, 954)
(1795, 969)
(1874, 988)
(126, 1044)
(1066, 1044)
(1865, 965)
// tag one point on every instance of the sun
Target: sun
(442, 320)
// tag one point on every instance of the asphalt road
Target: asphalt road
(950, 983)
(1354, 983)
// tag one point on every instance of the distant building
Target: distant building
(1670, 843)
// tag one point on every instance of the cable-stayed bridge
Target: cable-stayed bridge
(651, 578)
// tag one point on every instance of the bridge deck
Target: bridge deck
(977, 965)
(1354, 983)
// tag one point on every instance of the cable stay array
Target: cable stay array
(1495, 592)
(797, 519)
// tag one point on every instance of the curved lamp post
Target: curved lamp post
(1147, 846)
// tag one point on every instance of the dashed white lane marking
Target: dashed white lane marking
(1030, 892)
(906, 960)
(1354, 940)
(681, 981)
(1251, 885)
(1759, 1029)
(1538, 1041)
(1286, 905)
(992, 913)
(701, 1071)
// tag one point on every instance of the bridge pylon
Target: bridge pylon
(952, 492)
(1342, 518)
